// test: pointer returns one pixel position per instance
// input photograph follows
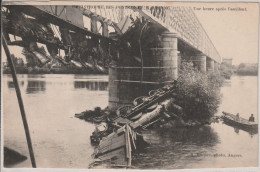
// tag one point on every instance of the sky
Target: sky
(233, 33)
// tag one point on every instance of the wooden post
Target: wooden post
(128, 146)
(93, 23)
(105, 29)
(20, 101)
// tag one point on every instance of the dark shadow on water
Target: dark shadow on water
(34, 87)
(11, 157)
(251, 132)
(10, 84)
(169, 148)
(91, 85)
(236, 130)
(173, 148)
(201, 136)
(35, 76)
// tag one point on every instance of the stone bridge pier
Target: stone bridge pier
(128, 82)
(210, 64)
(167, 57)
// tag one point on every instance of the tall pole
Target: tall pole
(20, 101)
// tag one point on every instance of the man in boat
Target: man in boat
(237, 117)
(252, 118)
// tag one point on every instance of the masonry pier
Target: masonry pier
(216, 66)
(200, 62)
(210, 65)
(128, 82)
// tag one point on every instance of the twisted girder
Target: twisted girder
(178, 19)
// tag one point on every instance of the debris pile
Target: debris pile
(82, 54)
(120, 130)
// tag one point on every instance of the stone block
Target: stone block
(165, 39)
(166, 44)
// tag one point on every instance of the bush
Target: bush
(226, 70)
(198, 93)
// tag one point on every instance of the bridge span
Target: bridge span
(145, 44)
(181, 38)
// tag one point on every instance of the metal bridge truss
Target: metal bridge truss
(180, 19)
(177, 19)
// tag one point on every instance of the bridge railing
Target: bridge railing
(180, 19)
(113, 13)
(183, 21)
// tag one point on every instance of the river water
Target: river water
(62, 141)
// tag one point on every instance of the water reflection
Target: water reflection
(202, 136)
(174, 147)
(55, 101)
(236, 130)
(250, 131)
(36, 76)
(10, 84)
(91, 85)
(34, 87)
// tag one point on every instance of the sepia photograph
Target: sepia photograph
(129, 85)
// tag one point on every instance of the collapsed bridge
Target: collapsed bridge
(88, 35)
(141, 46)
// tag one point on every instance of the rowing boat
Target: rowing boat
(240, 122)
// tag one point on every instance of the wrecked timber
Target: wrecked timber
(120, 134)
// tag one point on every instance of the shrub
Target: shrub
(226, 70)
(198, 93)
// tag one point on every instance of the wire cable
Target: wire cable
(141, 54)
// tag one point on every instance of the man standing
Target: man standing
(237, 117)
(252, 118)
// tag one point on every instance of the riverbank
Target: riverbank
(247, 69)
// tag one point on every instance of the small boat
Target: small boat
(240, 123)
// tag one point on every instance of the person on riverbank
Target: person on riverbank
(252, 118)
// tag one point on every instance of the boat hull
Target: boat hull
(242, 123)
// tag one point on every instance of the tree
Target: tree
(198, 93)
(226, 70)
